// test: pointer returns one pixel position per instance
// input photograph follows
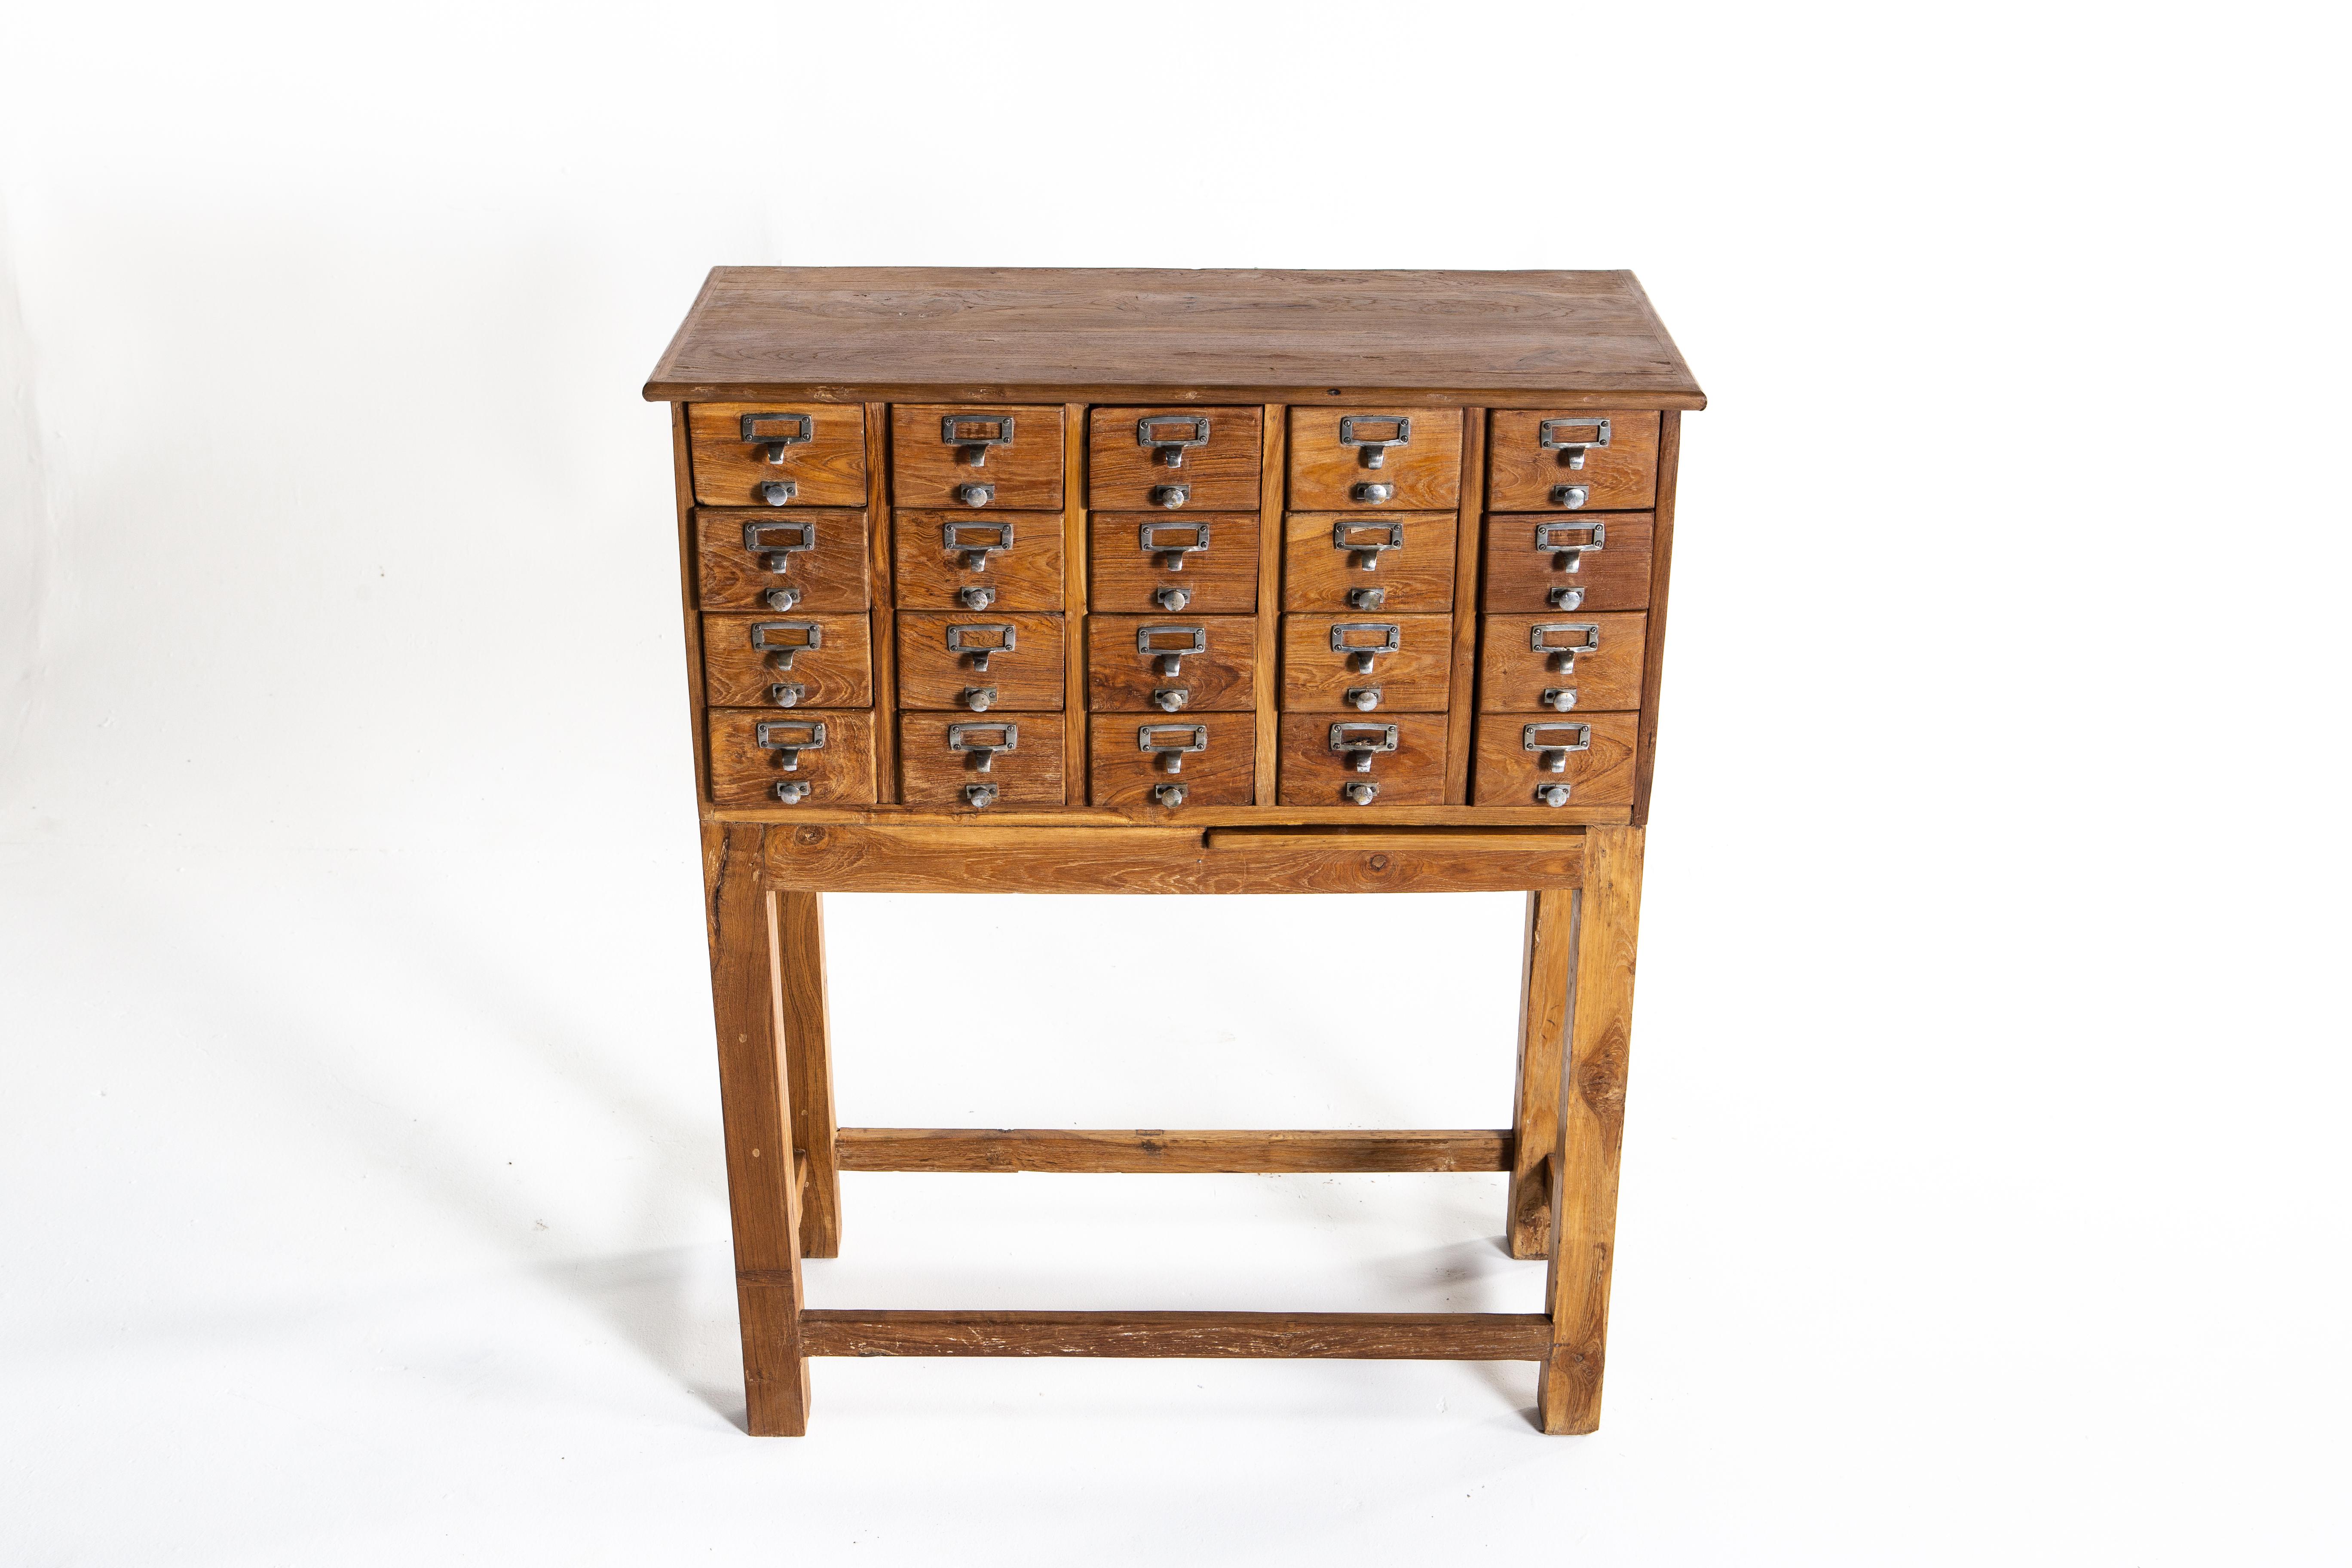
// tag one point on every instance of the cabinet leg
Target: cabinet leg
(808, 1058)
(755, 1095)
(1543, 1028)
(1591, 1126)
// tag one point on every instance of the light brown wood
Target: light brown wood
(682, 490)
(1326, 474)
(971, 334)
(1591, 1132)
(1462, 682)
(933, 772)
(1351, 1336)
(1523, 576)
(1025, 574)
(1523, 475)
(808, 1063)
(832, 660)
(1264, 814)
(1153, 1151)
(928, 472)
(745, 774)
(1550, 947)
(755, 1100)
(1268, 682)
(825, 556)
(1123, 677)
(1645, 755)
(1508, 773)
(884, 615)
(1218, 580)
(1222, 772)
(1315, 774)
(828, 468)
(1221, 475)
(1321, 566)
(1010, 858)
(1077, 726)
(1026, 677)
(1317, 678)
(1513, 676)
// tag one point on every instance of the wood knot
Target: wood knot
(808, 834)
(1378, 862)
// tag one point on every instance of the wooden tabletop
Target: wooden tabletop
(959, 334)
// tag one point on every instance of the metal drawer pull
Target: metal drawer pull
(1171, 598)
(956, 634)
(792, 792)
(1359, 743)
(1359, 656)
(1563, 655)
(1370, 451)
(772, 445)
(1167, 794)
(1569, 556)
(782, 599)
(780, 655)
(975, 495)
(1154, 537)
(1360, 792)
(1367, 598)
(1171, 743)
(1168, 660)
(1565, 598)
(981, 598)
(1169, 449)
(964, 433)
(779, 492)
(980, 796)
(978, 699)
(1552, 794)
(775, 543)
(1552, 755)
(1363, 699)
(1168, 698)
(1365, 552)
(1549, 436)
(976, 542)
(1570, 496)
(787, 693)
(1559, 699)
(1372, 495)
(1171, 496)
(788, 738)
(980, 750)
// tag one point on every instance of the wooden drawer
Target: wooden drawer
(1170, 664)
(955, 560)
(823, 757)
(1196, 459)
(759, 560)
(1595, 753)
(940, 658)
(1535, 561)
(1214, 758)
(1570, 460)
(973, 761)
(1319, 676)
(778, 454)
(1402, 757)
(787, 661)
(1149, 563)
(1333, 452)
(1345, 563)
(1534, 664)
(976, 456)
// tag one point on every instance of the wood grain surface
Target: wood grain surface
(1221, 773)
(932, 675)
(1034, 772)
(745, 774)
(1513, 677)
(838, 672)
(926, 472)
(1121, 677)
(1507, 773)
(1222, 476)
(808, 1065)
(1547, 949)
(1318, 574)
(1156, 1152)
(1314, 774)
(1027, 575)
(1521, 577)
(1415, 678)
(833, 573)
(826, 471)
(1324, 472)
(1645, 755)
(1277, 430)
(1352, 1336)
(1523, 475)
(1220, 580)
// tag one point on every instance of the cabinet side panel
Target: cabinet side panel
(1661, 558)
(689, 592)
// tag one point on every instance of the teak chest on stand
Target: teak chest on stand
(1171, 581)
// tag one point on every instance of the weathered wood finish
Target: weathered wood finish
(1315, 775)
(1222, 476)
(833, 575)
(808, 1064)
(1318, 574)
(1027, 677)
(1224, 772)
(1325, 473)
(1122, 677)
(928, 473)
(1513, 676)
(1523, 475)
(1027, 575)
(1351, 1336)
(1645, 759)
(1156, 1152)
(745, 774)
(828, 470)
(931, 774)
(1416, 678)
(1550, 948)
(1220, 580)
(837, 672)
(1507, 773)
(1522, 578)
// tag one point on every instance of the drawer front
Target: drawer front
(1585, 760)
(787, 661)
(1170, 664)
(1152, 564)
(759, 560)
(1351, 759)
(1559, 663)
(1570, 460)
(1347, 563)
(1209, 758)
(1337, 664)
(976, 661)
(817, 758)
(1191, 459)
(973, 761)
(778, 454)
(1536, 563)
(1352, 459)
(971, 456)
(962, 561)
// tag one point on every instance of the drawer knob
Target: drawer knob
(768, 636)
(1552, 794)
(959, 640)
(1365, 542)
(1367, 598)
(1171, 598)
(1167, 645)
(978, 795)
(792, 792)
(775, 543)
(1559, 699)
(1358, 743)
(1171, 743)
(975, 495)
(782, 599)
(1583, 637)
(1569, 543)
(778, 493)
(1363, 699)
(981, 598)
(1572, 438)
(1570, 496)
(978, 697)
(1168, 698)
(1374, 495)
(1169, 435)
(1552, 742)
(1170, 542)
(1171, 496)
(787, 693)
(1566, 598)
(1362, 792)
(1168, 795)
(972, 434)
(976, 542)
(981, 742)
(1372, 450)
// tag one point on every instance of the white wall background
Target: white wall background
(360, 1192)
